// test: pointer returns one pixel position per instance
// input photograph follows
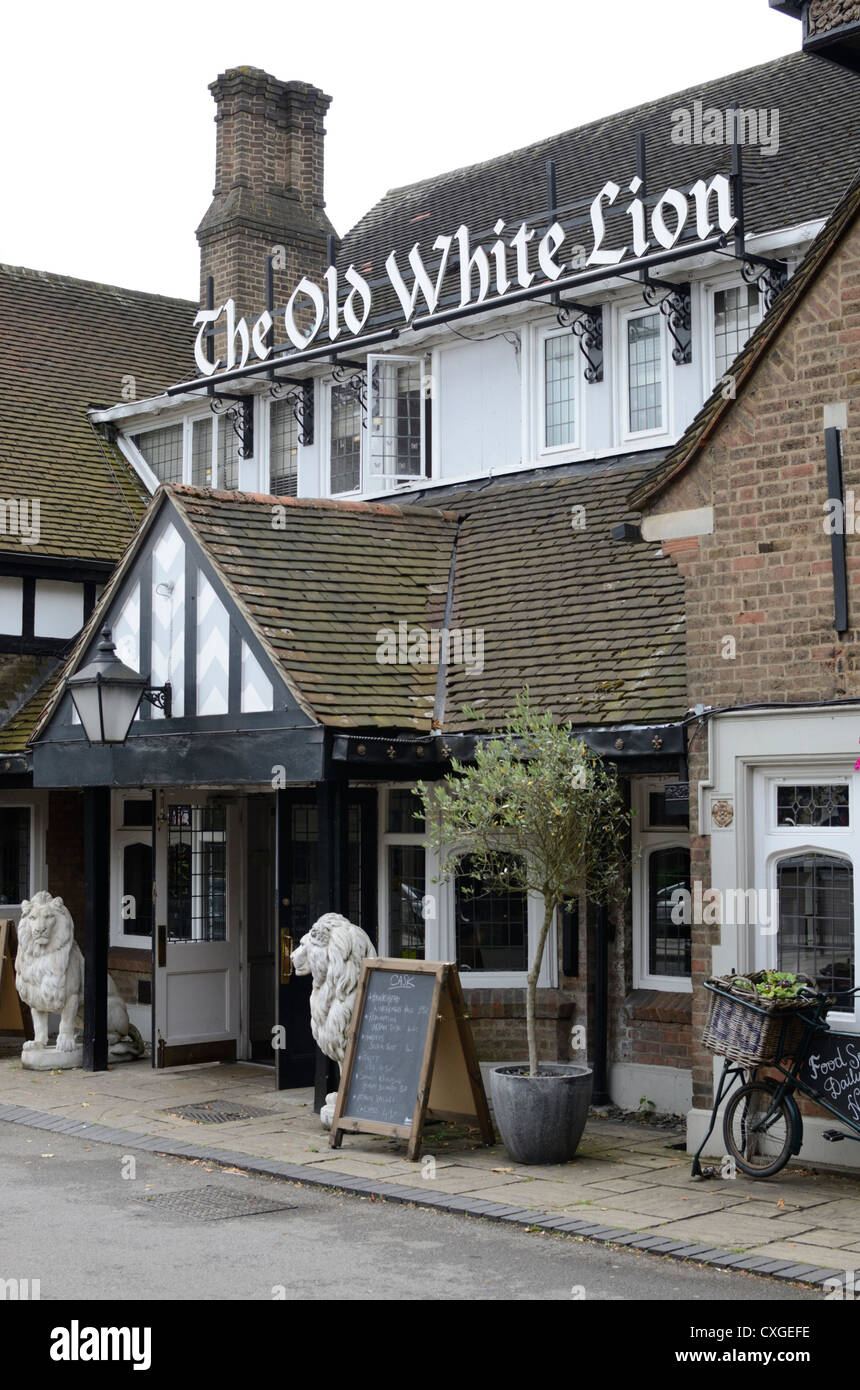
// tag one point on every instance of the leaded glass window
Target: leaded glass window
(406, 887)
(14, 853)
(197, 873)
(816, 919)
(491, 924)
(283, 450)
(737, 311)
(645, 373)
(668, 940)
(162, 450)
(810, 804)
(345, 444)
(560, 365)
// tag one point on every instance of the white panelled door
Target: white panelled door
(196, 944)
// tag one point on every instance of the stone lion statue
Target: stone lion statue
(49, 976)
(332, 952)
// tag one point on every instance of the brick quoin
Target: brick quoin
(769, 585)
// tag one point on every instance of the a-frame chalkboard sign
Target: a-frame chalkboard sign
(410, 1054)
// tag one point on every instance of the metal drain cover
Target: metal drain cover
(211, 1204)
(216, 1112)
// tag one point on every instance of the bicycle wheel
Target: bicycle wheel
(757, 1132)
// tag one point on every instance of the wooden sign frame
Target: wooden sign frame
(440, 1093)
(15, 1018)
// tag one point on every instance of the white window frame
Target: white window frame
(709, 356)
(775, 843)
(540, 335)
(645, 842)
(370, 482)
(624, 315)
(263, 448)
(37, 804)
(121, 837)
(187, 422)
(440, 937)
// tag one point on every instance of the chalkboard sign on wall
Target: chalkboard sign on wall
(410, 1052)
(833, 1068)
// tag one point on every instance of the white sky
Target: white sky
(108, 133)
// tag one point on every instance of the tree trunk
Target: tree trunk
(531, 987)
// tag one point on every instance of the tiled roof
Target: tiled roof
(818, 104)
(595, 627)
(717, 404)
(26, 684)
(321, 588)
(67, 344)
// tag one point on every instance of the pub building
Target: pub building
(397, 477)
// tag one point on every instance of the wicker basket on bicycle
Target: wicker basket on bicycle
(748, 1029)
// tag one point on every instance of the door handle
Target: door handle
(286, 956)
(162, 945)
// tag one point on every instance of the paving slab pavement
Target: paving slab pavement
(629, 1181)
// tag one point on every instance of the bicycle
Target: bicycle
(762, 1124)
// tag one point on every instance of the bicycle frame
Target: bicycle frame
(785, 1089)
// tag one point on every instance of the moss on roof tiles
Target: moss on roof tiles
(67, 344)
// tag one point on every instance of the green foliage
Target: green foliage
(776, 984)
(538, 812)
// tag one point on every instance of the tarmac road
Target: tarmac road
(75, 1218)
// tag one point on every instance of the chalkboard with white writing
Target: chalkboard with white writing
(410, 1054)
(389, 1050)
(833, 1068)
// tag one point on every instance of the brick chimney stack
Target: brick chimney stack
(268, 189)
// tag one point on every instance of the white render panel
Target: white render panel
(168, 618)
(126, 630)
(257, 693)
(213, 650)
(59, 609)
(11, 605)
(479, 407)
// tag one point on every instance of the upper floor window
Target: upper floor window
(283, 450)
(562, 365)
(737, 311)
(203, 452)
(645, 374)
(378, 426)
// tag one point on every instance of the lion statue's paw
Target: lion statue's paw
(66, 1044)
(33, 1046)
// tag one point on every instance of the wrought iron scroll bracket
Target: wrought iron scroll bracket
(161, 696)
(674, 303)
(300, 395)
(586, 322)
(770, 276)
(239, 410)
(355, 382)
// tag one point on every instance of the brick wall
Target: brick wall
(269, 172)
(763, 580)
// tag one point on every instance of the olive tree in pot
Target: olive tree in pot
(539, 812)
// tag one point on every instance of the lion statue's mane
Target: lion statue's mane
(49, 976)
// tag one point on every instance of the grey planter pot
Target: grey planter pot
(541, 1118)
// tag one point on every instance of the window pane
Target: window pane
(811, 805)
(736, 313)
(228, 456)
(816, 919)
(283, 450)
(162, 450)
(406, 880)
(492, 926)
(396, 403)
(14, 854)
(137, 889)
(304, 854)
(136, 812)
(201, 453)
(645, 373)
(560, 363)
(402, 806)
(197, 873)
(345, 440)
(668, 941)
